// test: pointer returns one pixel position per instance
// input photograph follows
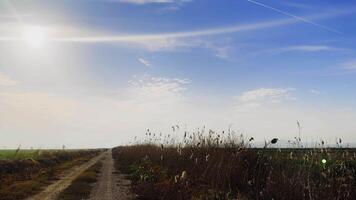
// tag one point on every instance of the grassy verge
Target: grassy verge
(213, 172)
(81, 187)
(20, 179)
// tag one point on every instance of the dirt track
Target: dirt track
(111, 185)
(52, 191)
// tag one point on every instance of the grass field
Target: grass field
(225, 167)
(18, 154)
(21, 154)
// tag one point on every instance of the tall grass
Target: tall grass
(223, 165)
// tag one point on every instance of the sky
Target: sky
(97, 73)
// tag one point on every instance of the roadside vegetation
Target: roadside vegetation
(82, 186)
(22, 177)
(224, 166)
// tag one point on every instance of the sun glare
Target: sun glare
(35, 36)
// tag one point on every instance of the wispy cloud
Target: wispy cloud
(204, 32)
(296, 5)
(165, 5)
(302, 19)
(153, 93)
(87, 37)
(313, 48)
(141, 2)
(177, 35)
(265, 94)
(305, 48)
(7, 17)
(144, 62)
(349, 65)
(6, 80)
(144, 102)
(314, 91)
(253, 99)
(144, 1)
(220, 48)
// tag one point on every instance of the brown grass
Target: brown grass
(81, 187)
(20, 179)
(215, 168)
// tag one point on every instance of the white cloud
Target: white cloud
(220, 48)
(6, 81)
(305, 49)
(95, 36)
(182, 81)
(146, 1)
(144, 62)
(113, 118)
(254, 99)
(349, 65)
(222, 52)
(156, 90)
(312, 48)
(314, 91)
(170, 40)
(258, 114)
(279, 120)
(263, 94)
(140, 2)
(105, 119)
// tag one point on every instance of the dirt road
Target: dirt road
(52, 191)
(111, 185)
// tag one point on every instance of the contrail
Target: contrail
(295, 16)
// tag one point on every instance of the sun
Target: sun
(35, 36)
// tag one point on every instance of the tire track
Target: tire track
(111, 185)
(53, 190)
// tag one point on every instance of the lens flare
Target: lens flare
(35, 36)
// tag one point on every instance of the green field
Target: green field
(11, 154)
(18, 154)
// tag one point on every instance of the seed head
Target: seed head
(184, 176)
(274, 140)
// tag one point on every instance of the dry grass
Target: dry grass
(20, 179)
(81, 187)
(222, 166)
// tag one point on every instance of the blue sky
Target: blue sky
(91, 73)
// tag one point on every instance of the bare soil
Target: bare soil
(53, 190)
(111, 185)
